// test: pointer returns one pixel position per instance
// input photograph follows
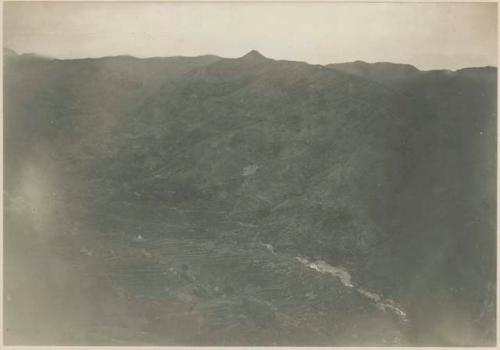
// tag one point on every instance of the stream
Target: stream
(344, 276)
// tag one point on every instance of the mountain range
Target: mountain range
(248, 201)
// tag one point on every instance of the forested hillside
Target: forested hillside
(248, 201)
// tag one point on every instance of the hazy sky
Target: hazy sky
(427, 35)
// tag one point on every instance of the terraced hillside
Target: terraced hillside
(249, 201)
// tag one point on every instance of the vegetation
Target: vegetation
(152, 189)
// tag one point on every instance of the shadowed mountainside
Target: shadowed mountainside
(168, 198)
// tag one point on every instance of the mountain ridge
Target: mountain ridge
(254, 162)
(252, 54)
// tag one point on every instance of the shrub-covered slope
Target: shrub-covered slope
(184, 188)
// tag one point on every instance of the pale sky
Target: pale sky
(427, 35)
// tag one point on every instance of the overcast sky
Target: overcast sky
(427, 35)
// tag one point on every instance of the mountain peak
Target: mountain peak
(254, 54)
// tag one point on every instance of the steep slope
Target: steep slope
(448, 202)
(189, 186)
(276, 139)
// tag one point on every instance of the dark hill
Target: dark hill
(380, 71)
